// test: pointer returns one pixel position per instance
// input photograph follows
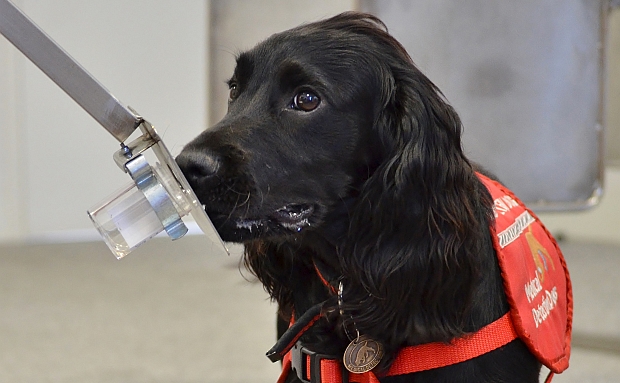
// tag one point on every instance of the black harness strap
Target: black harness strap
(294, 332)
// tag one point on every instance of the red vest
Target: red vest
(535, 276)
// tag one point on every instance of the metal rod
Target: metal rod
(67, 73)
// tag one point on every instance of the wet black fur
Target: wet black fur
(390, 204)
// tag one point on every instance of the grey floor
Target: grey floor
(172, 313)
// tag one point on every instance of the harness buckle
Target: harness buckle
(301, 356)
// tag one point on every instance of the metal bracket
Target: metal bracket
(147, 182)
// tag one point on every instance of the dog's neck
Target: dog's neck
(305, 262)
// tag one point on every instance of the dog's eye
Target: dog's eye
(306, 101)
(233, 91)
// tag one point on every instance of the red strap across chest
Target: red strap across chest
(422, 357)
(434, 355)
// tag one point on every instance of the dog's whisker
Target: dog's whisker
(247, 199)
(247, 204)
(262, 195)
(231, 190)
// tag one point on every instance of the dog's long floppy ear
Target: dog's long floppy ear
(413, 251)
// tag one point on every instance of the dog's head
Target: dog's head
(313, 112)
(295, 140)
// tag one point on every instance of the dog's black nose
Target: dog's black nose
(198, 165)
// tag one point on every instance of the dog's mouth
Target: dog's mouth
(292, 218)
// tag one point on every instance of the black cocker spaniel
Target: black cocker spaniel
(339, 166)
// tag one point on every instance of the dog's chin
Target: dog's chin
(289, 220)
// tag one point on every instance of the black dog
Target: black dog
(340, 163)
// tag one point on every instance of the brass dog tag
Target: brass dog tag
(362, 355)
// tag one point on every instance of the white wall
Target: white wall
(599, 224)
(12, 186)
(613, 88)
(56, 160)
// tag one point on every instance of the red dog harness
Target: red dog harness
(537, 287)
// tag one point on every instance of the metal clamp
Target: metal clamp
(147, 182)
